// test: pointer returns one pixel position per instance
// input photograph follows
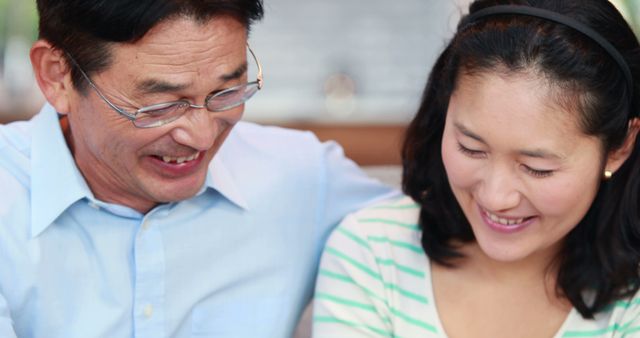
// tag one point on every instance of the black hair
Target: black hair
(602, 253)
(87, 28)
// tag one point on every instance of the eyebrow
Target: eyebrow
(534, 153)
(155, 86)
(465, 131)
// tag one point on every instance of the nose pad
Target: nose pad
(499, 192)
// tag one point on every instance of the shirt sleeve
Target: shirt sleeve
(6, 324)
(629, 324)
(350, 295)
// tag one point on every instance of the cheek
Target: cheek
(461, 170)
(564, 197)
(232, 116)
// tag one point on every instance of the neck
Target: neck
(539, 267)
(108, 196)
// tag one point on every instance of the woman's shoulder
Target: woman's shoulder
(396, 213)
(619, 319)
(388, 229)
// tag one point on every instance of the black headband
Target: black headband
(561, 19)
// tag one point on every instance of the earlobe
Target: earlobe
(52, 74)
(617, 157)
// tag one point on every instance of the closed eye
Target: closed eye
(471, 152)
(537, 172)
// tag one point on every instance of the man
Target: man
(135, 205)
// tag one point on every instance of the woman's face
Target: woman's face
(518, 164)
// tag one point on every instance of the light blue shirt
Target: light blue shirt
(236, 260)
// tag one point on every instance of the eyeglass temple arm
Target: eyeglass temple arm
(131, 116)
(259, 66)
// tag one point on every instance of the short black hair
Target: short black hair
(86, 28)
(602, 253)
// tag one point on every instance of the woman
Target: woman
(523, 177)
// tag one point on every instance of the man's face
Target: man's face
(177, 59)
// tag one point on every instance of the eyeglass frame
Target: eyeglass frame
(143, 110)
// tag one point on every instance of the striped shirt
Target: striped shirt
(374, 281)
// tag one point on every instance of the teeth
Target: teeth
(179, 160)
(504, 221)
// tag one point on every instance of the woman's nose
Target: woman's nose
(498, 190)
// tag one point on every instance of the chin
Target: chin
(503, 254)
(177, 190)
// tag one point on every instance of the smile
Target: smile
(180, 160)
(508, 221)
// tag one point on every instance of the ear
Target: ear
(52, 74)
(616, 158)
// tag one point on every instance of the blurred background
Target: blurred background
(350, 70)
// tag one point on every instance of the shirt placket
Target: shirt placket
(149, 274)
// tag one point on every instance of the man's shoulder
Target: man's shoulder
(16, 136)
(15, 180)
(275, 144)
(272, 137)
(15, 153)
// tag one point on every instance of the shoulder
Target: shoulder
(291, 155)
(278, 149)
(15, 153)
(15, 181)
(390, 216)
(15, 141)
(273, 140)
(381, 243)
(620, 319)
(388, 229)
(625, 316)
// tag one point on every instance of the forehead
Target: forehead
(514, 108)
(183, 44)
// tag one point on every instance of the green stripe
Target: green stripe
(400, 244)
(594, 333)
(353, 262)
(390, 222)
(403, 268)
(408, 294)
(333, 320)
(390, 286)
(569, 334)
(346, 302)
(624, 304)
(413, 321)
(338, 276)
(355, 238)
(632, 330)
(349, 280)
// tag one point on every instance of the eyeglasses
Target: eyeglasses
(157, 115)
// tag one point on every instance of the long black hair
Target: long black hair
(601, 254)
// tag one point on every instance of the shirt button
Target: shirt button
(145, 224)
(94, 205)
(148, 311)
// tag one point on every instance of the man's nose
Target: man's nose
(198, 128)
(499, 190)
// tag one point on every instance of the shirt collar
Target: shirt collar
(56, 182)
(220, 179)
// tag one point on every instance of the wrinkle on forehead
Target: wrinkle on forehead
(183, 41)
(183, 53)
